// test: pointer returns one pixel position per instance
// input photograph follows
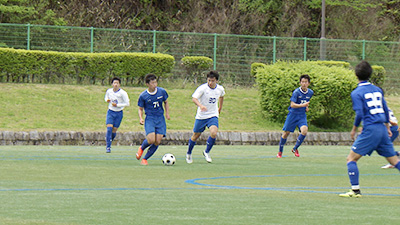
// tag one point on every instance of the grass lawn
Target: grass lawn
(243, 185)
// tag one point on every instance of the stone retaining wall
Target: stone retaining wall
(172, 138)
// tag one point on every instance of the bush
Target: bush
(60, 67)
(331, 105)
(332, 63)
(378, 75)
(195, 65)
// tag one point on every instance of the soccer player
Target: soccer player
(150, 101)
(370, 107)
(117, 99)
(394, 128)
(208, 98)
(297, 117)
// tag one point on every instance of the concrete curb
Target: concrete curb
(172, 138)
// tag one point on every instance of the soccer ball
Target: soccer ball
(168, 159)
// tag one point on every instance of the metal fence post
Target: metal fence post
(91, 39)
(28, 37)
(305, 49)
(154, 40)
(363, 50)
(274, 50)
(215, 52)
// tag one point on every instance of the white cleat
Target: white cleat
(189, 158)
(207, 157)
(388, 166)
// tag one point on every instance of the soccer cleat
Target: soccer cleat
(296, 152)
(388, 166)
(108, 150)
(279, 155)
(139, 153)
(144, 162)
(351, 194)
(189, 158)
(207, 157)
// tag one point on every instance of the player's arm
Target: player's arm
(140, 111)
(197, 102)
(220, 102)
(295, 105)
(125, 101)
(106, 98)
(166, 104)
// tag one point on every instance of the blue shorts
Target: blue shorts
(155, 124)
(294, 120)
(374, 137)
(395, 132)
(114, 118)
(200, 125)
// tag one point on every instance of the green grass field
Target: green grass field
(243, 185)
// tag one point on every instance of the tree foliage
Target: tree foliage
(345, 19)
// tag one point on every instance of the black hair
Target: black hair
(363, 70)
(305, 76)
(149, 77)
(213, 74)
(116, 78)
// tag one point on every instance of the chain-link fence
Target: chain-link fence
(232, 54)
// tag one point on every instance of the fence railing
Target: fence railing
(232, 54)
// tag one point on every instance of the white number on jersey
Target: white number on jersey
(375, 104)
(156, 104)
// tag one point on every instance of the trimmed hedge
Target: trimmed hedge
(59, 67)
(331, 105)
(195, 65)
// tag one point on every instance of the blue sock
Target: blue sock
(210, 143)
(145, 144)
(397, 166)
(190, 146)
(300, 140)
(352, 170)
(282, 143)
(113, 135)
(151, 151)
(108, 137)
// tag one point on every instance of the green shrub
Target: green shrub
(255, 66)
(378, 75)
(60, 67)
(331, 104)
(195, 65)
(332, 63)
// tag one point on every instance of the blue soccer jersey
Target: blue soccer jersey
(300, 97)
(152, 102)
(369, 104)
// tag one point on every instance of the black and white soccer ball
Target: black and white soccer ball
(168, 159)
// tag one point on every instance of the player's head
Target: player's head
(363, 70)
(213, 74)
(116, 79)
(305, 76)
(149, 77)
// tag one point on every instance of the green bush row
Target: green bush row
(331, 105)
(61, 67)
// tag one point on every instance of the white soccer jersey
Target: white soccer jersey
(209, 98)
(120, 97)
(392, 118)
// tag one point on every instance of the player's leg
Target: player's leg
(116, 123)
(212, 124)
(395, 134)
(300, 139)
(282, 142)
(153, 148)
(288, 126)
(394, 161)
(109, 125)
(198, 128)
(150, 129)
(352, 170)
